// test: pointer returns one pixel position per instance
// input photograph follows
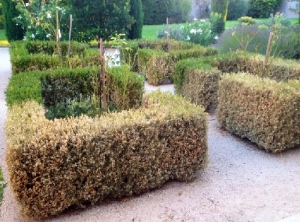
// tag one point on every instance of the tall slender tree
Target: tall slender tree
(136, 11)
(13, 31)
(220, 7)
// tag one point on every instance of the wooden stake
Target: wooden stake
(70, 32)
(268, 48)
(102, 89)
(168, 36)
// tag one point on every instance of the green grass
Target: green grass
(3, 40)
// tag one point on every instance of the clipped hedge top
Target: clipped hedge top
(29, 122)
(255, 82)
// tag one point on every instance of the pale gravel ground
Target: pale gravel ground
(241, 183)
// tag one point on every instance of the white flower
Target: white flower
(202, 20)
(26, 4)
(216, 37)
(48, 15)
(199, 31)
(195, 19)
(181, 27)
(48, 35)
(29, 27)
(32, 36)
(188, 38)
(19, 17)
(193, 31)
(24, 38)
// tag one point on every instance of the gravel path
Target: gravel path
(241, 183)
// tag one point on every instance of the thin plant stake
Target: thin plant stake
(168, 35)
(70, 33)
(102, 91)
(268, 48)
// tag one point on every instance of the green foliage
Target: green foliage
(2, 186)
(81, 161)
(262, 8)
(246, 20)
(237, 9)
(74, 107)
(13, 31)
(262, 110)
(198, 32)
(254, 39)
(136, 11)
(39, 18)
(220, 7)
(105, 18)
(1, 17)
(156, 12)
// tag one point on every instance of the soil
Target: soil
(240, 183)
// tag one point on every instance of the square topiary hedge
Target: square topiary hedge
(54, 165)
(262, 110)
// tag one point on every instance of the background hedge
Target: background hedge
(54, 165)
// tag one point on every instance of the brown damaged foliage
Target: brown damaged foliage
(201, 87)
(262, 110)
(77, 161)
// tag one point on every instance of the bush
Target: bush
(198, 82)
(159, 65)
(237, 9)
(262, 8)
(198, 32)
(219, 9)
(252, 38)
(246, 20)
(54, 165)
(261, 110)
(13, 31)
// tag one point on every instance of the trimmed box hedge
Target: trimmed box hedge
(54, 165)
(198, 76)
(262, 110)
(159, 65)
(42, 55)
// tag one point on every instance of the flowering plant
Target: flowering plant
(39, 18)
(199, 32)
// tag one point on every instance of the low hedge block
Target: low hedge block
(262, 110)
(77, 161)
(160, 65)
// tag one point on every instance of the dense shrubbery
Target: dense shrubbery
(254, 38)
(237, 9)
(198, 32)
(262, 8)
(262, 110)
(54, 165)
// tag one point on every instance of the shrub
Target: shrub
(262, 8)
(261, 110)
(198, 82)
(13, 31)
(54, 165)
(198, 32)
(237, 9)
(246, 20)
(136, 11)
(159, 65)
(254, 39)
(221, 8)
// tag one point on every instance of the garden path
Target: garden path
(240, 183)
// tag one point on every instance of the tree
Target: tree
(262, 8)
(136, 11)
(220, 7)
(1, 17)
(237, 9)
(13, 31)
(93, 19)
